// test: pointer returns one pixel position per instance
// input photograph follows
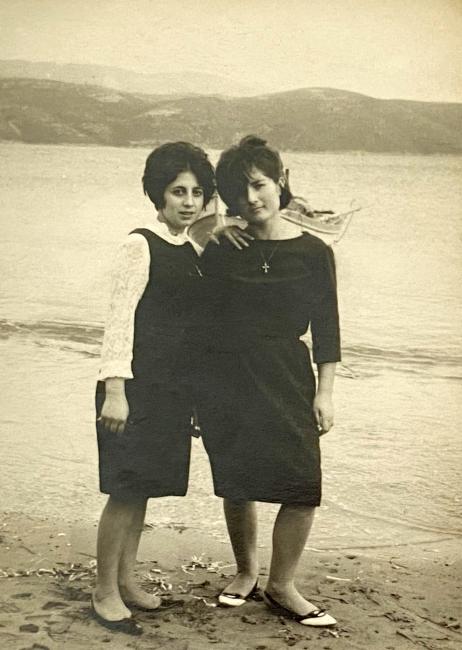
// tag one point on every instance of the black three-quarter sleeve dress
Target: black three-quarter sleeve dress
(257, 383)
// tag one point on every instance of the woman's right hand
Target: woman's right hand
(235, 234)
(115, 410)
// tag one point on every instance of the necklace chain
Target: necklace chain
(195, 271)
(265, 267)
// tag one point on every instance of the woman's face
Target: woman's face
(261, 199)
(184, 200)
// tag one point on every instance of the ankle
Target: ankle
(280, 586)
(250, 568)
(103, 592)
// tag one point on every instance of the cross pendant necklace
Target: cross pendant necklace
(265, 267)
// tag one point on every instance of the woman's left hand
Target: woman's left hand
(237, 236)
(323, 409)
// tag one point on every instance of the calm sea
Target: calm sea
(392, 464)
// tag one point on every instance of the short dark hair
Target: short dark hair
(236, 163)
(169, 160)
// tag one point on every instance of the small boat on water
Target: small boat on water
(327, 225)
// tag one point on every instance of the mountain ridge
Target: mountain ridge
(125, 80)
(306, 119)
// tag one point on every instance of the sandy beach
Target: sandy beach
(381, 602)
(384, 554)
(363, 101)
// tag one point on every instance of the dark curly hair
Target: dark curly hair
(235, 165)
(170, 159)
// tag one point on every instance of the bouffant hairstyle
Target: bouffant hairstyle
(237, 162)
(167, 161)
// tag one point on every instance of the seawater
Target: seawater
(392, 463)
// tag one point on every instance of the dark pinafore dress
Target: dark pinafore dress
(151, 457)
(256, 397)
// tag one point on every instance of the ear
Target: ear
(160, 216)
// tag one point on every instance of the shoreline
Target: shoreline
(382, 600)
(148, 146)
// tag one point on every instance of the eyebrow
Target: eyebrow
(249, 179)
(183, 187)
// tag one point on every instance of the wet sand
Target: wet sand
(381, 601)
(386, 537)
(396, 586)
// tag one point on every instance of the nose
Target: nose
(251, 194)
(188, 200)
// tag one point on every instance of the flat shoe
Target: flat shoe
(125, 625)
(133, 605)
(230, 599)
(164, 605)
(314, 618)
(140, 608)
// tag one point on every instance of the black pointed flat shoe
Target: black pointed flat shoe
(125, 625)
(314, 618)
(140, 608)
(164, 605)
(230, 599)
(134, 605)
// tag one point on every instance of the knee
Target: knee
(300, 509)
(232, 504)
(126, 504)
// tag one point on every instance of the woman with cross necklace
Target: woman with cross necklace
(262, 426)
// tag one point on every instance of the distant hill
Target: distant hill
(161, 83)
(311, 119)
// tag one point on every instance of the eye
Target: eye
(198, 191)
(177, 191)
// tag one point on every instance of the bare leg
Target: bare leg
(129, 591)
(241, 520)
(114, 526)
(291, 530)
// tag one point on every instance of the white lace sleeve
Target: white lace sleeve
(130, 277)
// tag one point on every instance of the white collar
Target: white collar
(161, 229)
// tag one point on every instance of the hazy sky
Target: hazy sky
(385, 48)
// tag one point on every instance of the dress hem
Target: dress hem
(313, 502)
(128, 495)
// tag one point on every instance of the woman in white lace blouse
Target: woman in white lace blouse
(144, 397)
